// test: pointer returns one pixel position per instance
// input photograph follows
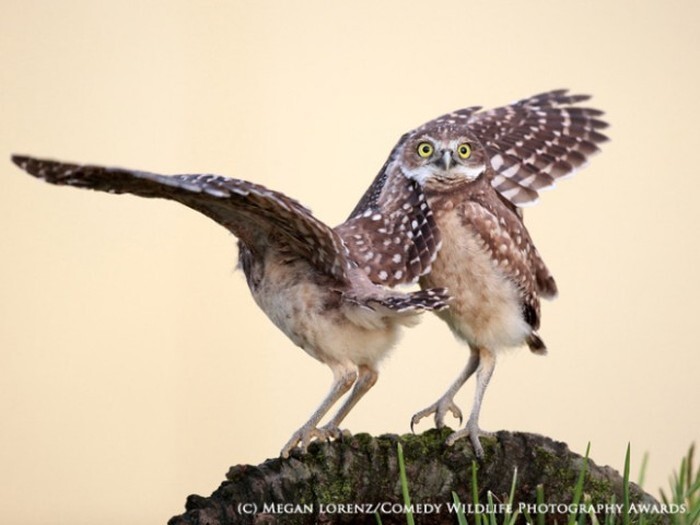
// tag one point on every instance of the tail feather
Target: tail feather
(536, 344)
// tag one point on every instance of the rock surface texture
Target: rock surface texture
(354, 479)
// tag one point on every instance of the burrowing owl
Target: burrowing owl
(299, 270)
(477, 169)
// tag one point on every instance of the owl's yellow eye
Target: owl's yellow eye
(425, 150)
(464, 151)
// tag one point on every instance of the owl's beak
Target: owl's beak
(445, 159)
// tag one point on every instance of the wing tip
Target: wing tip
(20, 160)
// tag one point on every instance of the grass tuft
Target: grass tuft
(682, 501)
(685, 491)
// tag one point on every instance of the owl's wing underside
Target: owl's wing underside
(391, 233)
(537, 140)
(259, 217)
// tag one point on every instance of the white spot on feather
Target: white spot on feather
(497, 161)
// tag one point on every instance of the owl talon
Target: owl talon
(305, 435)
(440, 409)
(331, 432)
(473, 431)
(301, 438)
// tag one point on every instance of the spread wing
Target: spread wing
(259, 217)
(537, 140)
(391, 233)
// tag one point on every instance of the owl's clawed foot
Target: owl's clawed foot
(305, 435)
(440, 409)
(331, 431)
(301, 438)
(474, 432)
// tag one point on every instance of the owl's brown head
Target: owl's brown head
(445, 154)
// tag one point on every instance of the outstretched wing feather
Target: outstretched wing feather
(537, 140)
(259, 217)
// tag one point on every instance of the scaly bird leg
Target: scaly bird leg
(366, 379)
(446, 402)
(487, 364)
(343, 378)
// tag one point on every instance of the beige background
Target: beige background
(135, 367)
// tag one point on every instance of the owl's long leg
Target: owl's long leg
(343, 378)
(487, 364)
(446, 402)
(366, 379)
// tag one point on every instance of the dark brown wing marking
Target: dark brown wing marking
(259, 217)
(536, 141)
(392, 235)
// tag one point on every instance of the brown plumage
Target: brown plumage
(299, 270)
(444, 208)
(476, 169)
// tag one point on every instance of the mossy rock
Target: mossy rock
(348, 480)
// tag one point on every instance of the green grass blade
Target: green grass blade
(643, 470)
(514, 518)
(691, 497)
(679, 492)
(591, 513)
(611, 517)
(461, 518)
(404, 486)
(540, 501)
(378, 518)
(578, 489)
(626, 489)
(492, 513)
(694, 516)
(475, 494)
(508, 518)
(691, 463)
